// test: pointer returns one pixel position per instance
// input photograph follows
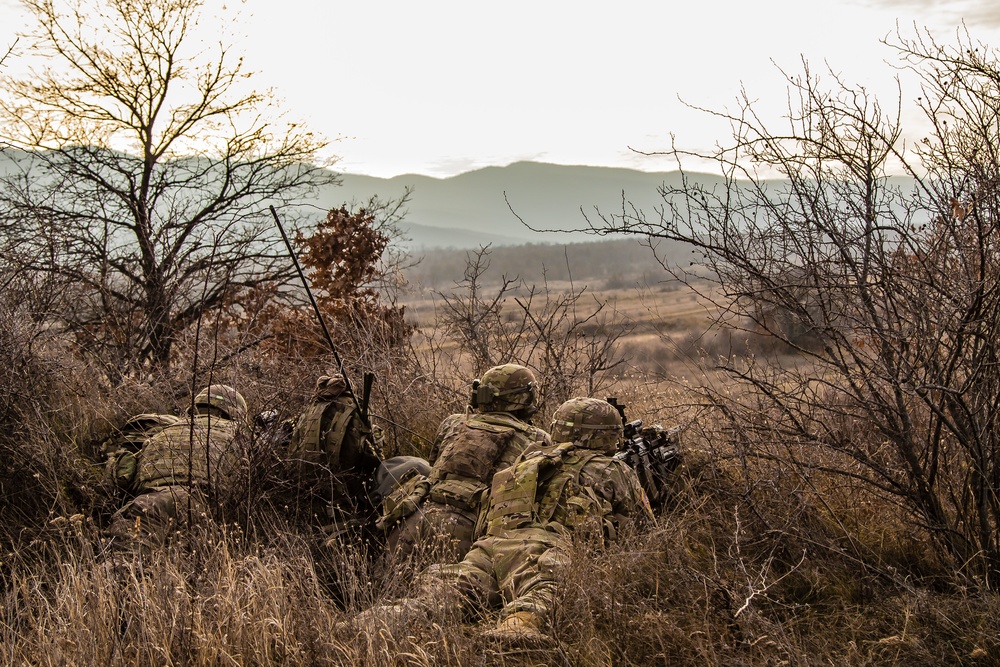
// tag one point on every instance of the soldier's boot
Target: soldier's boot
(521, 630)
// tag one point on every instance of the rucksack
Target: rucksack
(515, 501)
(329, 437)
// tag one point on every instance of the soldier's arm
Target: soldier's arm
(446, 427)
(621, 488)
(633, 496)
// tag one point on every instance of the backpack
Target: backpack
(515, 501)
(330, 435)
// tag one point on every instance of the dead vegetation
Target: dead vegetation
(752, 562)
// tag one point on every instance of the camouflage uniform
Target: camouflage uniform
(550, 498)
(183, 467)
(436, 515)
(120, 450)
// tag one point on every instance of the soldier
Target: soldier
(549, 498)
(183, 468)
(334, 457)
(438, 512)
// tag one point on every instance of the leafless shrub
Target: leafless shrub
(569, 337)
(45, 421)
(888, 293)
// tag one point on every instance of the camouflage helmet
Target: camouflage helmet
(591, 422)
(224, 398)
(507, 388)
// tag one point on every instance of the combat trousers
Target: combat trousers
(517, 572)
(435, 533)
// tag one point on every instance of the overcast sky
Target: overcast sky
(439, 87)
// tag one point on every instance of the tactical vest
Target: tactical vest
(320, 432)
(462, 473)
(121, 449)
(544, 489)
(195, 452)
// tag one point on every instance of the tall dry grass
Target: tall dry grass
(752, 561)
(730, 575)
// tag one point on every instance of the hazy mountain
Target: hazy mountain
(483, 206)
(501, 205)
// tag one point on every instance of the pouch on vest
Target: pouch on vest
(574, 505)
(318, 439)
(473, 451)
(513, 496)
(120, 470)
(463, 494)
(403, 502)
(565, 483)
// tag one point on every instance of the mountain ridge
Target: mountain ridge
(498, 204)
(520, 203)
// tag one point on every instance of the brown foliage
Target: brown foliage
(343, 259)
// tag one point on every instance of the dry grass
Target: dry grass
(712, 583)
(751, 563)
(211, 599)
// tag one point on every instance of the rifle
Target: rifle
(653, 452)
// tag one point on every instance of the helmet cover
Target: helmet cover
(508, 388)
(591, 422)
(224, 398)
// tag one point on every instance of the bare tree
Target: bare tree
(472, 314)
(569, 336)
(142, 168)
(7, 53)
(887, 288)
